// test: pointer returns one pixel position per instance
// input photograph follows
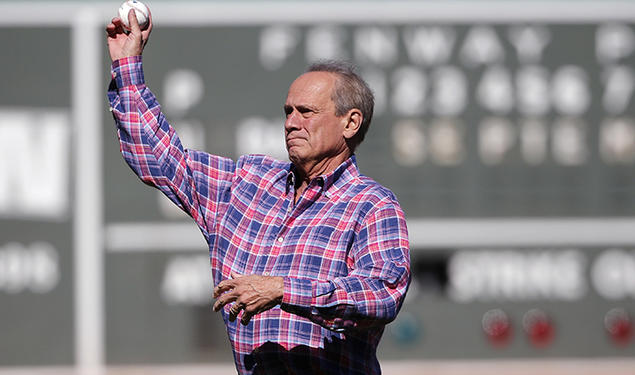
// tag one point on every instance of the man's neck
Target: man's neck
(307, 172)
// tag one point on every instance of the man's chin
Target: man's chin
(293, 157)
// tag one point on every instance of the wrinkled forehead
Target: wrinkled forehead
(312, 85)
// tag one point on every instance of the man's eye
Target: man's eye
(306, 112)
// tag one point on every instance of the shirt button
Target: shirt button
(266, 273)
(280, 239)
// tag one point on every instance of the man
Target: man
(310, 258)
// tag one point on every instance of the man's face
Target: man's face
(312, 130)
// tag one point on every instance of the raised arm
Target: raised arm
(150, 146)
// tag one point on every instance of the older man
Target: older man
(310, 256)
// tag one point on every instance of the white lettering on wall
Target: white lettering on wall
(529, 42)
(409, 91)
(435, 73)
(32, 268)
(571, 92)
(496, 137)
(532, 90)
(517, 275)
(326, 42)
(533, 139)
(34, 163)
(447, 142)
(449, 91)
(569, 142)
(376, 45)
(614, 42)
(376, 80)
(613, 274)
(565, 141)
(482, 46)
(183, 89)
(409, 143)
(277, 43)
(429, 45)
(617, 141)
(495, 90)
(619, 82)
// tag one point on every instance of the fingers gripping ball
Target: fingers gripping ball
(140, 10)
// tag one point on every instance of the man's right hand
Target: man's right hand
(123, 44)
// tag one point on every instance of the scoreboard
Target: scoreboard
(35, 199)
(507, 133)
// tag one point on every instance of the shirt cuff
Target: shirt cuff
(305, 292)
(128, 71)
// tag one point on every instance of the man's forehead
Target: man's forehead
(313, 82)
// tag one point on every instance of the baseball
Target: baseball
(140, 10)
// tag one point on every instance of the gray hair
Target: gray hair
(351, 91)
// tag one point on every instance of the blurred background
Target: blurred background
(506, 129)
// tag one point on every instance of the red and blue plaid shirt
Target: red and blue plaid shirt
(342, 249)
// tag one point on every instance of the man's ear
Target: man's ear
(354, 120)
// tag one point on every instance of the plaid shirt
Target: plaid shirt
(342, 249)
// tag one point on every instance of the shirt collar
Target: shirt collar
(333, 181)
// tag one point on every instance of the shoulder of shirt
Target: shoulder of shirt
(261, 163)
(370, 198)
(364, 189)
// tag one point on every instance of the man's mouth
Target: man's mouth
(293, 140)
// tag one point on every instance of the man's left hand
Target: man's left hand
(251, 293)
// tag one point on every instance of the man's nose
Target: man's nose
(292, 122)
